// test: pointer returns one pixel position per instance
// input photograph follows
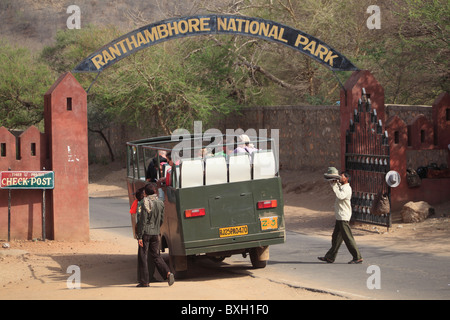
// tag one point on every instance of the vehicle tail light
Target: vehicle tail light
(266, 204)
(190, 213)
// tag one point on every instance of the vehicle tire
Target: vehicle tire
(255, 258)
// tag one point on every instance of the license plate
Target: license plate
(233, 231)
(269, 223)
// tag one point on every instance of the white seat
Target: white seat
(239, 167)
(215, 170)
(176, 176)
(264, 165)
(166, 168)
(191, 173)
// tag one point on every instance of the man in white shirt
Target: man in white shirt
(343, 213)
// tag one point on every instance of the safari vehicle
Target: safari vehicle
(216, 204)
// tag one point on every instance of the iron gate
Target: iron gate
(367, 161)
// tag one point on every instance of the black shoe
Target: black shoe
(170, 279)
(142, 285)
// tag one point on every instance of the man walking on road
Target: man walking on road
(150, 219)
(343, 212)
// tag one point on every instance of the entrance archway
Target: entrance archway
(174, 28)
(63, 99)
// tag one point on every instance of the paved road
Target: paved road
(400, 274)
(110, 214)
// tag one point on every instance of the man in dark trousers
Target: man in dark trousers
(151, 217)
(343, 213)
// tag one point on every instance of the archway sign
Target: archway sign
(213, 24)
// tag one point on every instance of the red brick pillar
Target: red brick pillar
(66, 130)
(441, 121)
(398, 144)
(422, 133)
(349, 101)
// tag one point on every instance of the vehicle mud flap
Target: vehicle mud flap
(259, 257)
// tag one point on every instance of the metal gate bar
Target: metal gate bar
(367, 161)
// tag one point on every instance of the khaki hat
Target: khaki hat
(393, 178)
(332, 174)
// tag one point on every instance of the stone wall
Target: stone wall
(308, 135)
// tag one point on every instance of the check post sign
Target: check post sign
(27, 180)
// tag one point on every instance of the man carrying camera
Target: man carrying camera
(343, 212)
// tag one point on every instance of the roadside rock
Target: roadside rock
(416, 211)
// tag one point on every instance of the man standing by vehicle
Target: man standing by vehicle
(343, 213)
(151, 217)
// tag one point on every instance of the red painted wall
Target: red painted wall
(62, 149)
(26, 205)
(66, 127)
(423, 135)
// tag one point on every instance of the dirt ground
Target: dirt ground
(38, 270)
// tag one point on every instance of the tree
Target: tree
(408, 55)
(98, 122)
(23, 83)
(423, 34)
(291, 77)
(174, 84)
(159, 89)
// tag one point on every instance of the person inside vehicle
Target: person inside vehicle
(152, 171)
(167, 179)
(244, 145)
